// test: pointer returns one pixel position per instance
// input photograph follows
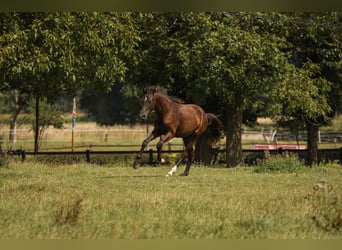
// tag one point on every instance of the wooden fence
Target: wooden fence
(122, 143)
(250, 156)
(131, 139)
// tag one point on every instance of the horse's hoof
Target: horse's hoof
(168, 175)
(136, 165)
(184, 174)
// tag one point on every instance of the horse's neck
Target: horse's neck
(163, 105)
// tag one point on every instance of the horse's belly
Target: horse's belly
(191, 126)
(191, 120)
(183, 133)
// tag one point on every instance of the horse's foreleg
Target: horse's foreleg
(163, 139)
(159, 148)
(138, 156)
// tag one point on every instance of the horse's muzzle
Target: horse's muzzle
(143, 116)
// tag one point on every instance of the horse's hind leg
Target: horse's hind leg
(189, 143)
(180, 160)
(188, 164)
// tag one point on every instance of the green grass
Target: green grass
(86, 201)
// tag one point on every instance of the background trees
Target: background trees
(245, 56)
(46, 55)
(311, 95)
(219, 58)
(287, 65)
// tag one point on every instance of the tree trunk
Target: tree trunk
(233, 136)
(13, 119)
(13, 128)
(312, 144)
(204, 151)
(36, 127)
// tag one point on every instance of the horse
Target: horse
(176, 119)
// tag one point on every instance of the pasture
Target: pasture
(87, 201)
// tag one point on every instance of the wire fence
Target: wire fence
(113, 144)
(125, 139)
(250, 156)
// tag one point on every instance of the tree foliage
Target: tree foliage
(119, 106)
(46, 55)
(62, 52)
(215, 56)
(235, 60)
(311, 95)
(50, 115)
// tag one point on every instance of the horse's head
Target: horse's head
(148, 101)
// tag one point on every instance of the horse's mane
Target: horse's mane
(157, 89)
(176, 99)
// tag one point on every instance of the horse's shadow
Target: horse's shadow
(131, 176)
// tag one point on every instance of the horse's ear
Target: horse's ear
(153, 89)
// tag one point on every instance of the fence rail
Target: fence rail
(250, 155)
(54, 138)
(126, 141)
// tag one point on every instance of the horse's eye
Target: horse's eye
(148, 99)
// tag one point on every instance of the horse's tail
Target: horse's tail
(215, 128)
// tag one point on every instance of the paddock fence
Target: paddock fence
(106, 145)
(250, 156)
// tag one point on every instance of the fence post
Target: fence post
(1, 155)
(280, 151)
(23, 155)
(88, 155)
(150, 153)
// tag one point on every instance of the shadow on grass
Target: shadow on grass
(132, 176)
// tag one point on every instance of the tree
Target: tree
(303, 100)
(46, 55)
(311, 95)
(215, 56)
(238, 58)
(50, 115)
(153, 29)
(119, 106)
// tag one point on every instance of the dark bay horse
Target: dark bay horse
(175, 119)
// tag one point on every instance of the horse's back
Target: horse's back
(192, 111)
(192, 120)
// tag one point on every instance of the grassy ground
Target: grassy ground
(86, 201)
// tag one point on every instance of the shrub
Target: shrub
(326, 207)
(68, 213)
(3, 161)
(286, 163)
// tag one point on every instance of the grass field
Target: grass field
(86, 201)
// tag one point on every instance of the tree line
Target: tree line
(239, 65)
